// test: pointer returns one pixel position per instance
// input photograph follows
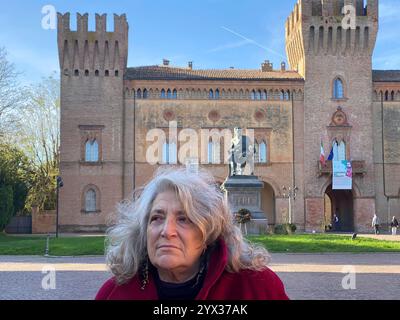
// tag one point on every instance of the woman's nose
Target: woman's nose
(169, 228)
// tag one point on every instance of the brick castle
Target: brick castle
(327, 93)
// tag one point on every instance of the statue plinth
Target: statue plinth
(245, 192)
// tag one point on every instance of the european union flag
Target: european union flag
(330, 158)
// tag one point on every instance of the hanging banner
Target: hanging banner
(342, 175)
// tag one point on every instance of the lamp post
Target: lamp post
(60, 184)
(290, 193)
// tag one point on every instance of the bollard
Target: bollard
(46, 253)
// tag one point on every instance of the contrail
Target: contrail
(253, 41)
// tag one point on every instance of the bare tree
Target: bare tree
(10, 94)
(39, 135)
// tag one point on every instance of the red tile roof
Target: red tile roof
(386, 75)
(174, 73)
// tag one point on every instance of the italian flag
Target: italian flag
(322, 155)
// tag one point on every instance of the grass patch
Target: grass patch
(318, 243)
(297, 243)
(71, 246)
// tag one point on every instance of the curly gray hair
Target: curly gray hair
(204, 204)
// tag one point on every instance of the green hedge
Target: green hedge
(6, 206)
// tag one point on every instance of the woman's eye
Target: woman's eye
(184, 219)
(155, 218)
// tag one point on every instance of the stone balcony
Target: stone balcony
(359, 167)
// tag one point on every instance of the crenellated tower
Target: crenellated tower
(86, 51)
(92, 68)
(330, 43)
(319, 28)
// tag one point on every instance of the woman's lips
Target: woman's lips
(167, 246)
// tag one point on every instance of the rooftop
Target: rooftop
(158, 72)
(162, 72)
(386, 75)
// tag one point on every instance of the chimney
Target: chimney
(283, 66)
(190, 65)
(266, 66)
(165, 62)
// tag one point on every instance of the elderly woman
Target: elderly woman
(178, 240)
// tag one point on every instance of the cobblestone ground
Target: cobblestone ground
(306, 276)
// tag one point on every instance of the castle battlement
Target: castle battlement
(310, 10)
(81, 50)
(329, 8)
(64, 21)
(319, 27)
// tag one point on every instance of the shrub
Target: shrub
(286, 228)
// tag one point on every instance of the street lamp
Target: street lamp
(290, 193)
(60, 184)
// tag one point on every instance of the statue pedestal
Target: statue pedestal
(245, 192)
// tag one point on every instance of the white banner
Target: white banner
(342, 175)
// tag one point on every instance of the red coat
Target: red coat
(218, 284)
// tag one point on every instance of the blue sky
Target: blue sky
(209, 32)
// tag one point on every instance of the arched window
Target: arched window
(253, 95)
(90, 201)
(335, 146)
(175, 94)
(217, 94)
(213, 152)
(262, 152)
(282, 95)
(210, 152)
(264, 95)
(145, 94)
(162, 95)
(139, 94)
(256, 152)
(172, 153)
(169, 153)
(342, 151)
(392, 96)
(211, 94)
(165, 153)
(287, 95)
(92, 151)
(258, 95)
(338, 92)
(169, 95)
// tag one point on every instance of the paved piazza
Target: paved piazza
(306, 276)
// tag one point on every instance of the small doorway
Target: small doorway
(339, 202)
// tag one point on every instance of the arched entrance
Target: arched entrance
(339, 202)
(268, 202)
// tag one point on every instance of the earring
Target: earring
(203, 265)
(145, 274)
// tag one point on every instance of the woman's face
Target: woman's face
(174, 243)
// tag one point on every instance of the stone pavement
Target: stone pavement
(305, 276)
